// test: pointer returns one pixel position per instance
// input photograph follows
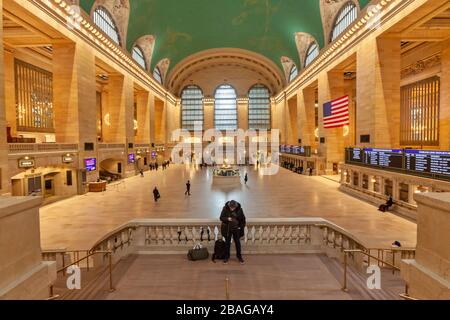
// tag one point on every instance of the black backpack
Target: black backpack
(219, 250)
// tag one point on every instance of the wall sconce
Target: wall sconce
(346, 131)
(374, 180)
(107, 118)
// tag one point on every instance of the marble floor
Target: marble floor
(78, 222)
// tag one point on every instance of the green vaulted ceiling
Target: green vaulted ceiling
(185, 27)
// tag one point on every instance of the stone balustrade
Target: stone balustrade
(32, 148)
(375, 186)
(262, 236)
(111, 146)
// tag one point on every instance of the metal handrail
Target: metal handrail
(346, 252)
(64, 268)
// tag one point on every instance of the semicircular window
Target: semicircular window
(259, 114)
(157, 75)
(346, 16)
(311, 53)
(138, 56)
(293, 73)
(192, 108)
(225, 108)
(104, 20)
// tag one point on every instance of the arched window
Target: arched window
(259, 108)
(157, 75)
(104, 20)
(346, 16)
(293, 73)
(225, 108)
(138, 56)
(311, 53)
(192, 108)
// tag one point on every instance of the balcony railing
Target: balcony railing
(29, 148)
(111, 146)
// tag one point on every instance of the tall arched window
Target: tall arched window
(225, 108)
(311, 53)
(104, 20)
(157, 75)
(138, 56)
(259, 108)
(293, 73)
(346, 16)
(192, 108)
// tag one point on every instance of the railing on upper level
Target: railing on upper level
(30, 148)
(111, 146)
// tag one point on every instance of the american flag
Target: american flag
(336, 113)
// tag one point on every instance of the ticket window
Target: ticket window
(35, 185)
(49, 187)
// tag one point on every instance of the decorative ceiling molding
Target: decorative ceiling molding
(328, 10)
(120, 11)
(303, 41)
(147, 45)
(262, 68)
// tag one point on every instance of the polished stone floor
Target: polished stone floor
(78, 222)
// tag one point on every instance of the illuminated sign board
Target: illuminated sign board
(67, 159)
(90, 164)
(26, 163)
(131, 158)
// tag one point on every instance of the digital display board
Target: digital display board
(435, 164)
(297, 150)
(356, 155)
(131, 158)
(389, 158)
(90, 164)
(427, 161)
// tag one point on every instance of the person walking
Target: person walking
(188, 188)
(233, 226)
(310, 172)
(246, 178)
(156, 194)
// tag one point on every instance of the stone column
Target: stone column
(428, 276)
(242, 114)
(74, 97)
(331, 86)
(4, 183)
(160, 121)
(444, 121)
(10, 91)
(143, 117)
(306, 116)
(378, 92)
(292, 121)
(23, 274)
(208, 109)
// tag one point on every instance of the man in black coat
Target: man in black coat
(233, 225)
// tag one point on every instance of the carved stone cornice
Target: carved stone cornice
(421, 65)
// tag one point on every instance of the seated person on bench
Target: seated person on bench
(387, 206)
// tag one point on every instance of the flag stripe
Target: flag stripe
(337, 113)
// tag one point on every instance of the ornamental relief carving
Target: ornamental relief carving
(421, 65)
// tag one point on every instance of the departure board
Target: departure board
(427, 161)
(388, 158)
(297, 150)
(355, 155)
